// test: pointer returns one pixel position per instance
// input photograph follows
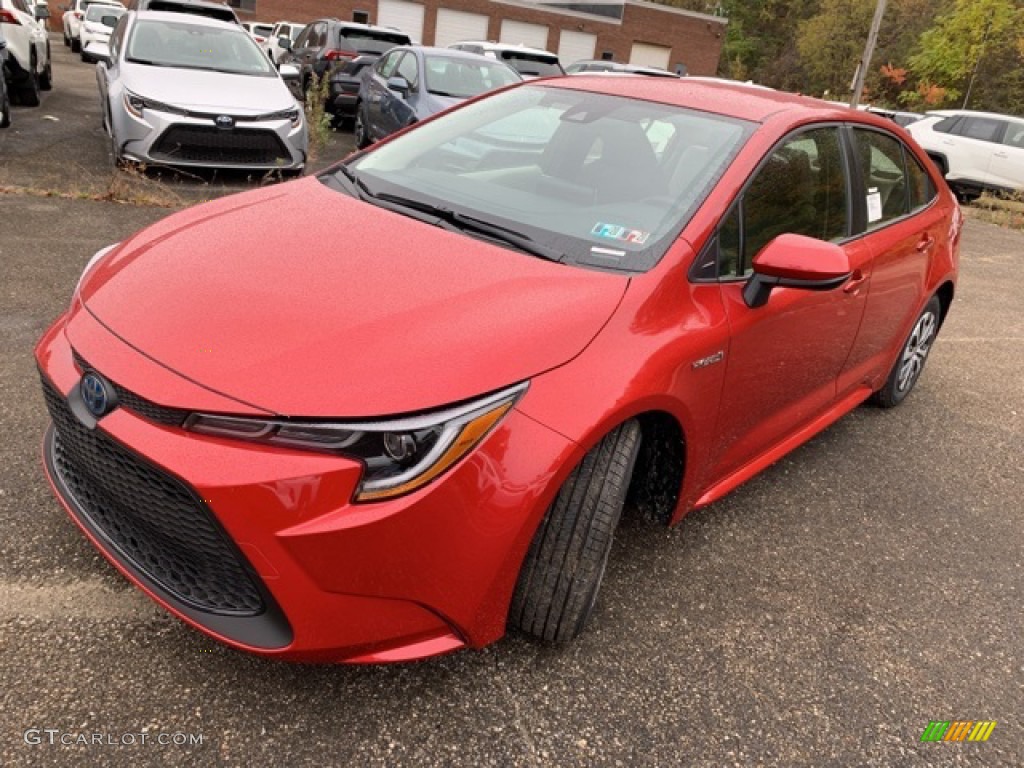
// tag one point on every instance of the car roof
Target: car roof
(973, 113)
(729, 99)
(488, 46)
(449, 53)
(184, 18)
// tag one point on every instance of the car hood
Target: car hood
(305, 302)
(203, 90)
(435, 104)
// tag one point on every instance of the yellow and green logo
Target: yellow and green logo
(958, 730)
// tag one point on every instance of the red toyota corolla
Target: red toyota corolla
(386, 412)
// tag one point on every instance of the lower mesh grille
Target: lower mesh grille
(151, 518)
(208, 144)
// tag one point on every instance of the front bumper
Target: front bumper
(390, 581)
(163, 138)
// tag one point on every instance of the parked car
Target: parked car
(389, 411)
(529, 62)
(411, 83)
(259, 32)
(340, 50)
(600, 65)
(28, 69)
(97, 25)
(283, 29)
(897, 116)
(5, 97)
(74, 17)
(974, 150)
(208, 8)
(188, 90)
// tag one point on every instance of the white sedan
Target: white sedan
(99, 22)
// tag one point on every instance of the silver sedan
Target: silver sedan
(184, 90)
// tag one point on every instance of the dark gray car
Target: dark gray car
(413, 82)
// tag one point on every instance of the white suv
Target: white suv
(974, 150)
(528, 62)
(289, 29)
(73, 18)
(28, 68)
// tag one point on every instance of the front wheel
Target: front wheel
(563, 570)
(914, 354)
(5, 107)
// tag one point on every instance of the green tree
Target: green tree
(830, 44)
(979, 41)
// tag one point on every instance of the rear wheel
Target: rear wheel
(46, 79)
(28, 91)
(76, 45)
(359, 132)
(563, 570)
(914, 354)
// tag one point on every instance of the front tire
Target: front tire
(76, 45)
(5, 108)
(913, 355)
(563, 570)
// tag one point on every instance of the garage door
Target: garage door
(403, 15)
(573, 46)
(648, 55)
(521, 33)
(453, 26)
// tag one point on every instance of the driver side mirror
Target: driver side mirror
(796, 261)
(285, 43)
(399, 85)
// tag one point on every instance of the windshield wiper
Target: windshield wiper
(470, 224)
(446, 218)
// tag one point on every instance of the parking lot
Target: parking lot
(821, 615)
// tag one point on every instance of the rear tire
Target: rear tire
(913, 355)
(28, 91)
(359, 132)
(563, 570)
(46, 79)
(76, 45)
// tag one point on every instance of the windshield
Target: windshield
(531, 64)
(193, 46)
(607, 181)
(97, 12)
(462, 78)
(372, 41)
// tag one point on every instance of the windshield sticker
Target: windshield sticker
(622, 234)
(874, 205)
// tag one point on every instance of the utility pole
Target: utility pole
(869, 50)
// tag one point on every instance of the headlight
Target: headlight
(294, 115)
(92, 263)
(399, 455)
(135, 104)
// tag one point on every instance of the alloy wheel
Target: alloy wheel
(916, 351)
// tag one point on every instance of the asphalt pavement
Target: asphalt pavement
(821, 615)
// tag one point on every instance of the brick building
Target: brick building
(624, 30)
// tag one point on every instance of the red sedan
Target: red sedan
(389, 411)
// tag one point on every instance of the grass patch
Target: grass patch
(1004, 210)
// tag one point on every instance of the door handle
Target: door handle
(925, 243)
(853, 285)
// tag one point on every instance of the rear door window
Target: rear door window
(880, 157)
(983, 129)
